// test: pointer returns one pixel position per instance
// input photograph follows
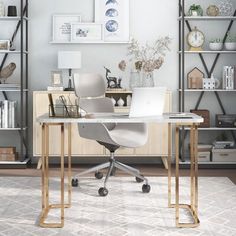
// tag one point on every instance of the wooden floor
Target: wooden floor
(147, 170)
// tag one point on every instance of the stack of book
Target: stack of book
(229, 77)
(7, 114)
(8, 154)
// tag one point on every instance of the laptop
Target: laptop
(147, 101)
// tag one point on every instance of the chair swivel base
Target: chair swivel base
(112, 165)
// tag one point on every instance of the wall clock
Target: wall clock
(195, 40)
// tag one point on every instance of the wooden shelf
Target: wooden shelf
(193, 18)
(12, 52)
(12, 129)
(207, 52)
(12, 18)
(118, 91)
(208, 90)
(89, 42)
(213, 128)
(13, 90)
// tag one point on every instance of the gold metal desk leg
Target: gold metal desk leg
(69, 167)
(193, 176)
(169, 163)
(45, 179)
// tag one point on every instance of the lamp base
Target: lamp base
(69, 89)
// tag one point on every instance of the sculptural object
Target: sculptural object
(112, 82)
(6, 72)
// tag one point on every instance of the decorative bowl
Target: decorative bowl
(230, 46)
(215, 46)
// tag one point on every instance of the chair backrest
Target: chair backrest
(91, 88)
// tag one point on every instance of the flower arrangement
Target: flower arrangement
(149, 57)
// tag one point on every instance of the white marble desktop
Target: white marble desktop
(114, 118)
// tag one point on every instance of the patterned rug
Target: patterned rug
(125, 211)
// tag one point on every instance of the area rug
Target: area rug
(125, 211)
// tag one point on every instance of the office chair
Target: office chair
(90, 89)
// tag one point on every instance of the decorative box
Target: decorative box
(204, 156)
(223, 155)
(205, 114)
(209, 83)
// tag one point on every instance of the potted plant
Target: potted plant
(195, 10)
(230, 43)
(215, 44)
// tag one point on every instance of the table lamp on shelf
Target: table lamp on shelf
(69, 60)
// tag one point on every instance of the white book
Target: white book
(5, 114)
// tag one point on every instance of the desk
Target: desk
(187, 120)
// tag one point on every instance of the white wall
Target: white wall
(146, 22)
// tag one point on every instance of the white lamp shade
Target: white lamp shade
(69, 60)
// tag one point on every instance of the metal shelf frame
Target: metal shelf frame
(184, 22)
(22, 29)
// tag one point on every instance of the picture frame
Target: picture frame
(86, 32)
(56, 78)
(114, 15)
(61, 26)
(5, 45)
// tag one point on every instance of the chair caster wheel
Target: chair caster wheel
(138, 180)
(98, 175)
(74, 182)
(146, 188)
(102, 192)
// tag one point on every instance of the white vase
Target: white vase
(120, 102)
(148, 80)
(216, 46)
(128, 100)
(230, 46)
(2, 9)
(113, 101)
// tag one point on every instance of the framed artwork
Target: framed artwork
(114, 15)
(56, 80)
(61, 25)
(86, 32)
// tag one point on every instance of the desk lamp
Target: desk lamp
(69, 60)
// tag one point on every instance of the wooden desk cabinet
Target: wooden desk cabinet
(156, 145)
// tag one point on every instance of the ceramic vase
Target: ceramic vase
(120, 102)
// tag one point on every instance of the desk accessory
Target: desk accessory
(12, 11)
(51, 104)
(112, 82)
(69, 60)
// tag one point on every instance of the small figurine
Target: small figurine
(6, 72)
(112, 82)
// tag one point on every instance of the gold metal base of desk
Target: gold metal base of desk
(46, 207)
(193, 207)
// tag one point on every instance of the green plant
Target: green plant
(231, 38)
(196, 8)
(215, 40)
